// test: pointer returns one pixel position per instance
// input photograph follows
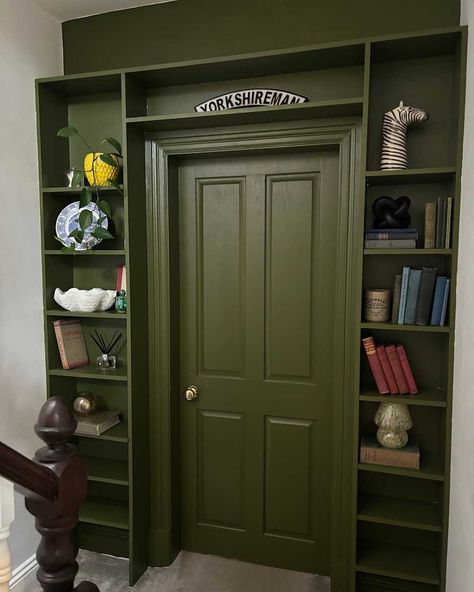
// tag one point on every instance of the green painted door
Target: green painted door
(258, 258)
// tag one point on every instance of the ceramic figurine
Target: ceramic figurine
(394, 133)
(121, 302)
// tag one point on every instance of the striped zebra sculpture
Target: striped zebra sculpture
(394, 134)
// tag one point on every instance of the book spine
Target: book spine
(438, 300)
(425, 295)
(442, 240)
(430, 225)
(396, 297)
(390, 244)
(118, 286)
(59, 338)
(412, 296)
(387, 370)
(403, 295)
(439, 222)
(389, 457)
(397, 369)
(375, 365)
(449, 218)
(405, 364)
(445, 303)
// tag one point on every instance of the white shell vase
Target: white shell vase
(393, 421)
(95, 300)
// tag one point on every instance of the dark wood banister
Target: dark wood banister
(54, 484)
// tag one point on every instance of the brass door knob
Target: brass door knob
(191, 393)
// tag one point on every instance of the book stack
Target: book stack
(390, 368)
(97, 423)
(391, 238)
(438, 222)
(420, 297)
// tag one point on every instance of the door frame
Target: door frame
(161, 152)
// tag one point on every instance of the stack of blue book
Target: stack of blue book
(391, 238)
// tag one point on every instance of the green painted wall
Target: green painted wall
(193, 29)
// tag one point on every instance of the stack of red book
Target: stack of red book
(390, 367)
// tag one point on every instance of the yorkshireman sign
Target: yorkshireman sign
(252, 97)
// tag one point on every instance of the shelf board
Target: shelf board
(107, 470)
(431, 468)
(108, 314)
(91, 371)
(381, 509)
(68, 191)
(425, 252)
(312, 109)
(104, 512)
(98, 253)
(396, 561)
(425, 398)
(413, 328)
(408, 176)
(119, 433)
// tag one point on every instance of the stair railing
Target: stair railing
(54, 485)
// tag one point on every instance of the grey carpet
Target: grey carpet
(193, 572)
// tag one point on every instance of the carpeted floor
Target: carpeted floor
(193, 572)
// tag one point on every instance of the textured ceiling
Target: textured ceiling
(66, 10)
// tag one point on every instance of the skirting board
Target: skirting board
(24, 577)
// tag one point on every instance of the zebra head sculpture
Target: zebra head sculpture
(394, 134)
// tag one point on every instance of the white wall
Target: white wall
(461, 531)
(30, 47)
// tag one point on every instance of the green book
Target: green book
(412, 296)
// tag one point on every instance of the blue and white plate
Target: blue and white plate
(68, 220)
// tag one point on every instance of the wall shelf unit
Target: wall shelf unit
(395, 520)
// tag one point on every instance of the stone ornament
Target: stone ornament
(393, 421)
(95, 300)
(391, 213)
(394, 134)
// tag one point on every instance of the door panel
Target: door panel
(258, 252)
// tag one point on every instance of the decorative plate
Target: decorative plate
(68, 220)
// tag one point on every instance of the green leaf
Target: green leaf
(101, 219)
(100, 232)
(70, 249)
(116, 185)
(107, 158)
(67, 132)
(114, 143)
(77, 178)
(104, 207)
(85, 219)
(77, 235)
(86, 197)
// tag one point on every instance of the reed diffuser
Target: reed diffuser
(106, 361)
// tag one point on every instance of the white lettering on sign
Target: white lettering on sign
(252, 97)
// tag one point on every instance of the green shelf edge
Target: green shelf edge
(107, 470)
(98, 253)
(392, 511)
(439, 252)
(329, 108)
(118, 433)
(76, 190)
(408, 176)
(425, 398)
(410, 328)
(396, 561)
(115, 512)
(119, 374)
(88, 315)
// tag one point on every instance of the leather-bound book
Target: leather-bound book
(397, 287)
(71, 345)
(405, 364)
(375, 365)
(373, 453)
(387, 370)
(430, 225)
(397, 369)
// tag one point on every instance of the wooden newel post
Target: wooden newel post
(56, 519)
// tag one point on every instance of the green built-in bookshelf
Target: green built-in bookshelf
(393, 522)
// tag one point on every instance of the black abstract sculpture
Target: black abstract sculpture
(391, 213)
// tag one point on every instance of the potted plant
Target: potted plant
(101, 169)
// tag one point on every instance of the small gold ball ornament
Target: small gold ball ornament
(84, 403)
